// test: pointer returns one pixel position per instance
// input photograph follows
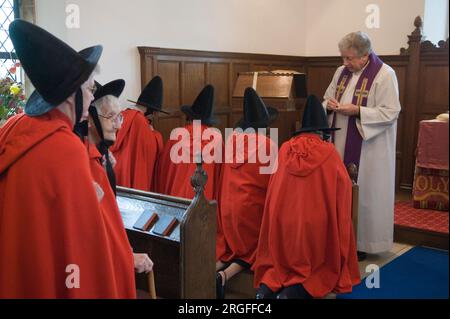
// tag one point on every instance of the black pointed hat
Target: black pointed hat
(114, 88)
(55, 69)
(152, 96)
(314, 117)
(203, 107)
(256, 114)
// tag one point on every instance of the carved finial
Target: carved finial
(199, 179)
(352, 170)
(443, 44)
(418, 23)
(417, 33)
(415, 38)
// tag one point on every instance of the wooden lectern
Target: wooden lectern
(178, 234)
(283, 90)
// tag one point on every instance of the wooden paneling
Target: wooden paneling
(170, 72)
(219, 77)
(418, 237)
(194, 79)
(317, 75)
(425, 95)
(432, 96)
(260, 67)
(186, 72)
(166, 124)
(238, 68)
(400, 66)
(434, 86)
(421, 69)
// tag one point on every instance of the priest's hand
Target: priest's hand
(348, 110)
(333, 105)
(142, 263)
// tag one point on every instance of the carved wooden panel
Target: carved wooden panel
(434, 88)
(165, 124)
(319, 72)
(194, 80)
(186, 72)
(219, 77)
(238, 68)
(260, 67)
(169, 71)
(400, 66)
(319, 78)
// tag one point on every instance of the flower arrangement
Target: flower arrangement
(12, 97)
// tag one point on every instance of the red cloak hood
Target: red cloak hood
(306, 153)
(17, 140)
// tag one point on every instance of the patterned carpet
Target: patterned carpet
(431, 220)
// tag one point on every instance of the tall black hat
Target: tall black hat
(114, 88)
(314, 117)
(55, 69)
(203, 107)
(256, 114)
(152, 96)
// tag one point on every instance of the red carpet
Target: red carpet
(432, 220)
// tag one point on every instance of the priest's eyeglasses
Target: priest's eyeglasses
(116, 119)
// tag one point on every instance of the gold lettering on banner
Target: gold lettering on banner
(421, 180)
(445, 182)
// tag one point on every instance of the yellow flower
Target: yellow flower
(14, 89)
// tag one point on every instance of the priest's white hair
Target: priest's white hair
(357, 40)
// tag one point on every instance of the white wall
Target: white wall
(329, 20)
(286, 27)
(255, 26)
(50, 15)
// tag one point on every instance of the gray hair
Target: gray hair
(106, 100)
(357, 40)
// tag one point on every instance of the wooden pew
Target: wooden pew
(184, 260)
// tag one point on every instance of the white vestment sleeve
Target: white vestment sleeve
(375, 120)
(331, 91)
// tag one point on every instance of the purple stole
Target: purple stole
(353, 144)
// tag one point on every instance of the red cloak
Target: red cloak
(174, 179)
(50, 216)
(114, 224)
(137, 149)
(241, 202)
(306, 233)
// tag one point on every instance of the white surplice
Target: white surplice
(376, 180)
